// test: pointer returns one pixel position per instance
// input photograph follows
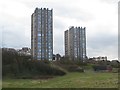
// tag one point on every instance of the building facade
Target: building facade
(75, 43)
(42, 34)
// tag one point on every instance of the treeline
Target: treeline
(17, 66)
(70, 65)
(80, 66)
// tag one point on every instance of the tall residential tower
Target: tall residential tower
(75, 43)
(42, 34)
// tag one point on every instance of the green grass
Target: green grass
(71, 80)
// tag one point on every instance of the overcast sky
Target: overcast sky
(100, 17)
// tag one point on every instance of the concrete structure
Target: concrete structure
(75, 43)
(42, 34)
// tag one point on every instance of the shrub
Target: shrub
(23, 67)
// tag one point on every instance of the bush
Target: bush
(75, 69)
(23, 67)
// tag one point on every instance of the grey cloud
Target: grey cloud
(13, 31)
(58, 24)
(103, 45)
(72, 13)
(109, 1)
(14, 37)
(58, 45)
(101, 41)
(64, 10)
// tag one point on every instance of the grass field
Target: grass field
(71, 80)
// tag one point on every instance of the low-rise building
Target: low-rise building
(24, 51)
(99, 58)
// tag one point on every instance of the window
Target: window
(42, 56)
(49, 53)
(39, 34)
(42, 34)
